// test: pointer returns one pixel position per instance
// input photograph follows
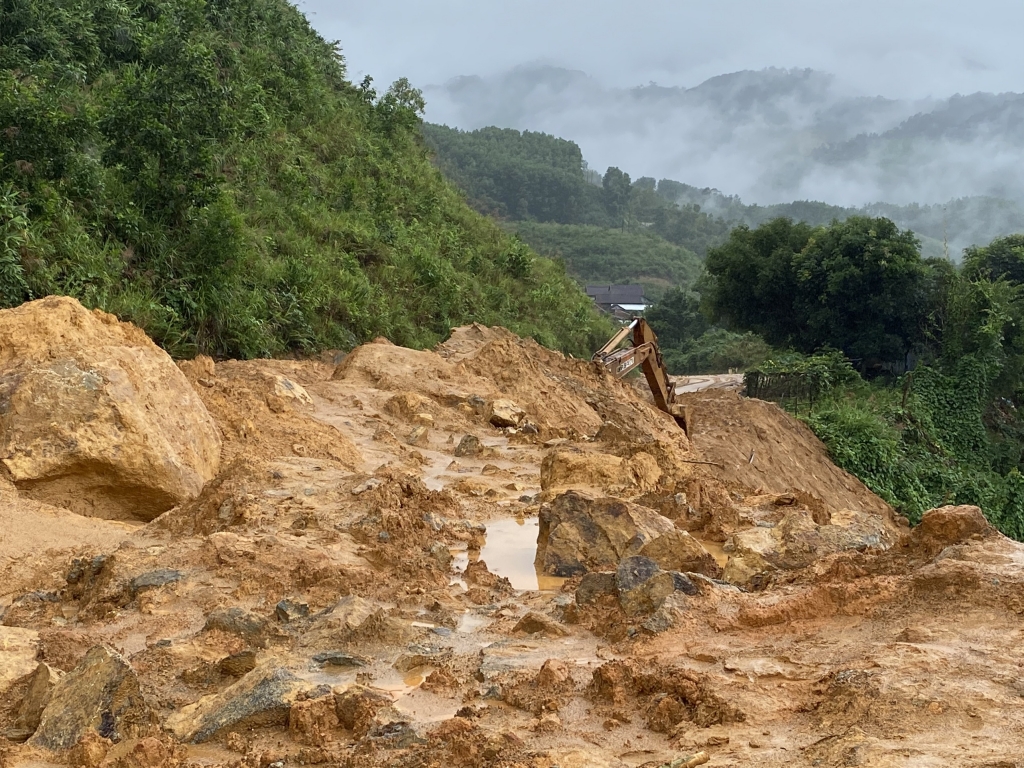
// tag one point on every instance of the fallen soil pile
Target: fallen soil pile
(483, 555)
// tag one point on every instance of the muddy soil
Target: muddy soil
(357, 587)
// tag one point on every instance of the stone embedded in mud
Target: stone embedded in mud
(642, 585)
(101, 696)
(154, 579)
(236, 621)
(290, 610)
(40, 689)
(338, 659)
(505, 413)
(579, 533)
(133, 440)
(594, 586)
(237, 664)
(469, 445)
(350, 614)
(260, 699)
(677, 550)
(533, 623)
(18, 650)
(358, 707)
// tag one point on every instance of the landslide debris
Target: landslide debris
(95, 418)
(571, 583)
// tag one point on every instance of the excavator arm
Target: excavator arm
(643, 352)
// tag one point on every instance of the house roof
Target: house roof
(617, 294)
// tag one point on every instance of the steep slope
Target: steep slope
(205, 170)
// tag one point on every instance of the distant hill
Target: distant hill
(769, 136)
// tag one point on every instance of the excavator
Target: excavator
(643, 352)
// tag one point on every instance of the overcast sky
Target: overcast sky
(896, 48)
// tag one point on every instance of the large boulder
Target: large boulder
(100, 696)
(579, 533)
(797, 541)
(95, 418)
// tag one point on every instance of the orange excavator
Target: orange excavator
(643, 352)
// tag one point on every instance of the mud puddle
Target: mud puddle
(510, 551)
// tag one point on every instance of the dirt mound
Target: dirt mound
(132, 439)
(263, 411)
(760, 447)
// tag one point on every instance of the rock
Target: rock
(505, 413)
(469, 445)
(357, 708)
(236, 621)
(534, 622)
(945, 526)
(797, 541)
(642, 585)
(349, 614)
(406, 405)
(237, 664)
(100, 696)
(594, 586)
(677, 550)
(440, 553)
(134, 439)
(419, 436)
(290, 610)
(40, 689)
(554, 673)
(563, 469)
(397, 734)
(261, 699)
(154, 580)
(286, 389)
(18, 650)
(579, 533)
(339, 659)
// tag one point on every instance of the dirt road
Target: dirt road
(689, 384)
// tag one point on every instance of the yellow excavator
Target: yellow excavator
(643, 352)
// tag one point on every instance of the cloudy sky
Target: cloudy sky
(895, 48)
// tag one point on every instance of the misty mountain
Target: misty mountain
(769, 136)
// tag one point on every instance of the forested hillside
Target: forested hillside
(605, 227)
(206, 170)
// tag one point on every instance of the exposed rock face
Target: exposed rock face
(579, 534)
(797, 541)
(261, 698)
(18, 649)
(101, 696)
(643, 587)
(40, 689)
(133, 438)
(946, 526)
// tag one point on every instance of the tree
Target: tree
(617, 188)
(751, 282)
(860, 288)
(1002, 258)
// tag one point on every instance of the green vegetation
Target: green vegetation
(204, 169)
(602, 255)
(615, 230)
(937, 421)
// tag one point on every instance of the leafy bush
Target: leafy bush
(717, 351)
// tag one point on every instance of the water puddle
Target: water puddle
(401, 683)
(510, 550)
(715, 549)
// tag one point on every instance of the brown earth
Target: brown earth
(356, 587)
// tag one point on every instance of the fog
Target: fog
(573, 69)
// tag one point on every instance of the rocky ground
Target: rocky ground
(483, 555)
